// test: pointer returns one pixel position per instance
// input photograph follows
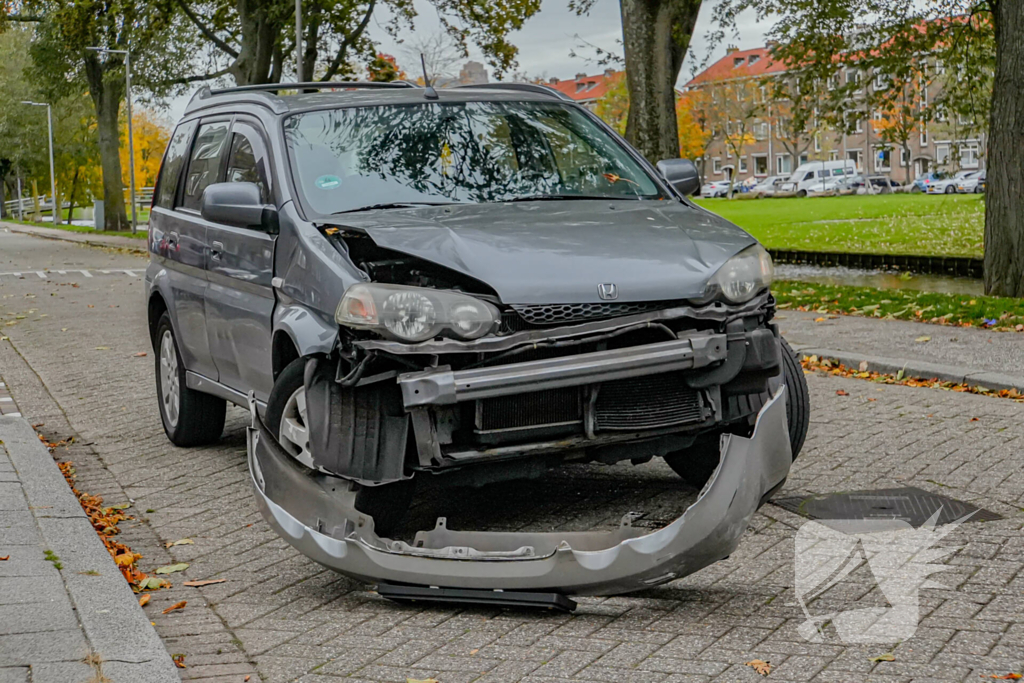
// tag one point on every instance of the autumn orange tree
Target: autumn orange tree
(695, 126)
(151, 137)
(613, 106)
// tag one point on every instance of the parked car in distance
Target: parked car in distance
(769, 186)
(315, 258)
(974, 182)
(945, 186)
(814, 177)
(921, 183)
(714, 189)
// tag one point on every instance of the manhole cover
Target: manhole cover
(912, 505)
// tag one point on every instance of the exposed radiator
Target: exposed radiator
(648, 403)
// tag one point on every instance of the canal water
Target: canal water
(839, 275)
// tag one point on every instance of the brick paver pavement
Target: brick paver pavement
(71, 363)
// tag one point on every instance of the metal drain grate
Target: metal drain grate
(912, 505)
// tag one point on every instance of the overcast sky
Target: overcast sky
(548, 38)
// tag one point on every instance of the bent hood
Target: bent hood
(560, 251)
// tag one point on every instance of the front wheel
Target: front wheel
(190, 417)
(801, 193)
(697, 463)
(286, 417)
(950, 190)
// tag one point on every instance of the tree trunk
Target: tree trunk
(655, 37)
(106, 96)
(1004, 195)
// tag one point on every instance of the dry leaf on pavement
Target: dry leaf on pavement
(171, 568)
(841, 392)
(863, 366)
(1007, 677)
(421, 680)
(176, 606)
(179, 661)
(140, 354)
(5, 558)
(760, 666)
(207, 582)
(921, 340)
(181, 541)
(887, 657)
(144, 599)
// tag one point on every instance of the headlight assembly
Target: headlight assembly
(415, 314)
(741, 277)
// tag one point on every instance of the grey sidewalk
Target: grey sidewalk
(66, 613)
(94, 239)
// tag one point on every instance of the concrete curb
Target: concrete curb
(920, 369)
(93, 240)
(115, 626)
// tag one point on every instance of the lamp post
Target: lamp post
(298, 41)
(131, 139)
(53, 183)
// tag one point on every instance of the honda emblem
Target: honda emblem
(608, 291)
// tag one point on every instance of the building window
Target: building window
(940, 67)
(716, 165)
(963, 120)
(924, 138)
(853, 76)
(854, 156)
(737, 62)
(969, 156)
(881, 81)
(754, 59)
(940, 114)
(580, 87)
(743, 164)
(760, 164)
(941, 154)
(803, 159)
(883, 159)
(783, 164)
(904, 159)
(833, 155)
(858, 126)
(817, 142)
(760, 130)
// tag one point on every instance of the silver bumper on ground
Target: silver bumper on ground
(443, 386)
(315, 513)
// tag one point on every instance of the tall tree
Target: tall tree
(980, 41)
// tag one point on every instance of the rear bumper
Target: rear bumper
(442, 386)
(315, 513)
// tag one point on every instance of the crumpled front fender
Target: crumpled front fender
(315, 513)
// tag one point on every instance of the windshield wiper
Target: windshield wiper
(393, 205)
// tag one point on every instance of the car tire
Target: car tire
(915, 190)
(387, 504)
(697, 463)
(950, 190)
(190, 417)
(801, 194)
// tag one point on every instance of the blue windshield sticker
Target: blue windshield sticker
(328, 182)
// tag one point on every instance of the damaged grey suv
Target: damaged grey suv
(473, 285)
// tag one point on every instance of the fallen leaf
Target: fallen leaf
(975, 419)
(474, 651)
(119, 506)
(887, 657)
(246, 679)
(171, 568)
(841, 392)
(863, 366)
(140, 354)
(144, 599)
(102, 348)
(176, 606)
(819, 320)
(180, 541)
(5, 558)
(760, 666)
(179, 661)
(421, 680)
(1007, 677)
(153, 583)
(207, 582)
(1019, 328)
(921, 340)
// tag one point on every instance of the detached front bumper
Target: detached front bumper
(315, 513)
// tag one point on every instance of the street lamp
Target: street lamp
(131, 141)
(53, 183)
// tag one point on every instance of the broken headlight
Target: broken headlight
(741, 277)
(415, 314)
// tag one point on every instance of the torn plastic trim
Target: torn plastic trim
(716, 312)
(314, 513)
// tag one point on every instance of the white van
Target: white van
(816, 177)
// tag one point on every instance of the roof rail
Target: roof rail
(315, 85)
(524, 87)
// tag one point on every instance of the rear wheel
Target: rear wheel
(190, 417)
(286, 417)
(697, 463)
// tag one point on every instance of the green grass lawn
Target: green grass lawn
(918, 224)
(902, 304)
(141, 234)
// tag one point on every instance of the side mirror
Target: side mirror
(681, 174)
(238, 204)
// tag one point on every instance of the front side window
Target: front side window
(174, 159)
(204, 166)
(474, 152)
(247, 160)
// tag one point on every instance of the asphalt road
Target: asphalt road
(72, 362)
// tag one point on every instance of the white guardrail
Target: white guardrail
(14, 207)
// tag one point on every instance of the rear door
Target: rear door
(178, 241)
(240, 264)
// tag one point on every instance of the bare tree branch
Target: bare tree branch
(206, 31)
(350, 40)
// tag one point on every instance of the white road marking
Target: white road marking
(49, 274)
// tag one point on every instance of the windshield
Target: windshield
(467, 152)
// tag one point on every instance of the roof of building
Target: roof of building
(585, 88)
(740, 64)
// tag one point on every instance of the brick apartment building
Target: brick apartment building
(585, 90)
(934, 147)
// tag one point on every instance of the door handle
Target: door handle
(216, 249)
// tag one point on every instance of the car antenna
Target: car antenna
(429, 93)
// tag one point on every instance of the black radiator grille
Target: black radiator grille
(555, 314)
(529, 410)
(647, 403)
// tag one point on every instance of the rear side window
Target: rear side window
(204, 166)
(174, 159)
